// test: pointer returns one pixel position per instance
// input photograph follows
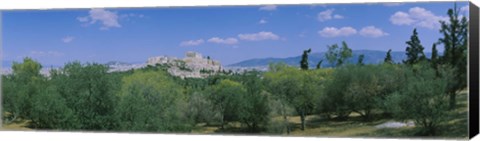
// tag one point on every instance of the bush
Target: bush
(423, 99)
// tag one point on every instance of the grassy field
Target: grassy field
(20, 125)
(455, 128)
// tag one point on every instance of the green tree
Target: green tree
(89, 92)
(295, 88)
(319, 65)
(360, 59)
(414, 50)
(434, 58)
(226, 97)
(455, 38)
(50, 111)
(304, 61)
(337, 56)
(20, 87)
(151, 101)
(255, 109)
(12, 101)
(364, 89)
(388, 58)
(423, 99)
(391, 78)
(277, 88)
(333, 101)
(352, 88)
(201, 109)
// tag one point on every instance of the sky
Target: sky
(229, 34)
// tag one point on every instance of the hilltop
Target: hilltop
(371, 57)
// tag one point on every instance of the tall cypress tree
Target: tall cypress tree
(360, 59)
(434, 57)
(414, 49)
(388, 57)
(304, 61)
(454, 39)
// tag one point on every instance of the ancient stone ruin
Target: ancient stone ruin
(194, 65)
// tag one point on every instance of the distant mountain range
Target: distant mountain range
(371, 57)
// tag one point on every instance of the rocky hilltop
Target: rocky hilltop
(194, 65)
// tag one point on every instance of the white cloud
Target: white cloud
(131, 15)
(107, 18)
(465, 8)
(228, 41)
(335, 32)
(68, 39)
(401, 18)
(46, 54)
(259, 36)
(83, 19)
(268, 8)
(327, 15)
(192, 42)
(372, 31)
(417, 16)
(338, 16)
(262, 21)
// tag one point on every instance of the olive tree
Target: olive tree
(151, 101)
(423, 99)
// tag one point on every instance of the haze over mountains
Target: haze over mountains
(371, 57)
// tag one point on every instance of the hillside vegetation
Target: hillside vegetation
(346, 99)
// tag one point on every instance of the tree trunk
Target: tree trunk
(284, 112)
(222, 123)
(302, 118)
(13, 119)
(452, 100)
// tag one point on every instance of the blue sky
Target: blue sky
(229, 34)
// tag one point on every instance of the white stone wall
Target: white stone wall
(193, 61)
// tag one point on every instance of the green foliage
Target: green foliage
(392, 79)
(50, 111)
(414, 50)
(20, 87)
(363, 90)
(337, 56)
(358, 88)
(455, 38)
(11, 100)
(201, 109)
(333, 101)
(254, 105)
(304, 61)
(294, 87)
(319, 65)
(388, 58)
(360, 59)
(89, 92)
(434, 58)
(423, 99)
(226, 96)
(151, 101)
